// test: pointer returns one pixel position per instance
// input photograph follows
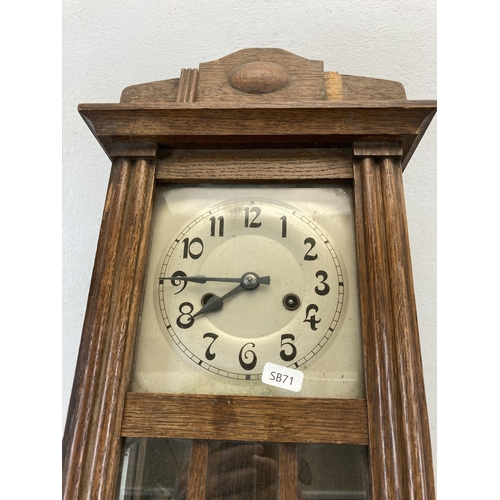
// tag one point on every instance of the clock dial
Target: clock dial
(242, 276)
(249, 282)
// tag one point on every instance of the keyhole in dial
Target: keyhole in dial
(291, 301)
(206, 298)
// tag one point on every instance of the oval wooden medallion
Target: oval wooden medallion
(259, 78)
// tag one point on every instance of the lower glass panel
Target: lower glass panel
(243, 470)
(333, 472)
(159, 469)
(154, 469)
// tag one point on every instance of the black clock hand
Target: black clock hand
(265, 280)
(215, 302)
(249, 281)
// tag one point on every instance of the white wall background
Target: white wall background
(108, 45)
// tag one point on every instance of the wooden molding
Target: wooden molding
(132, 150)
(245, 418)
(91, 443)
(187, 85)
(247, 165)
(377, 150)
(233, 125)
(401, 458)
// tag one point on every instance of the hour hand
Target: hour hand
(249, 281)
(215, 303)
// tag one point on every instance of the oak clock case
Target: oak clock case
(241, 276)
(255, 217)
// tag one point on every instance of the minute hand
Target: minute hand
(265, 280)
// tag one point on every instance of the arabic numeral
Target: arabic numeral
(312, 243)
(193, 248)
(177, 283)
(185, 320)
(254, 210)
(312, 319)
(283, 226)
(283, 354)
(247, 358)
(325, 288)
(213, 225)
(208, 354)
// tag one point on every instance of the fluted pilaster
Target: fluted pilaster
(400, 452)
(91, 445)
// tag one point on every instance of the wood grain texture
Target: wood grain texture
(259, 77)
(333, 84)
(246, 418)
(85, 395)
(306, 81)
(307, 85)
(223, 125)
(91, 444)
(187, 85)
(132, 150)
(288, 472)
(401, 459)
(377, 149)
(338, 87)
(249, 165)
(319, 118)
(198, 470)
(160, 91)
(413, 415)
(361, 88)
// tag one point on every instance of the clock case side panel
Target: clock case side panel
(400, 449)
(91, 442)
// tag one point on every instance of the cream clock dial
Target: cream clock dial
(249, 282)
(243, 276)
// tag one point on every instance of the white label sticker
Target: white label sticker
(283, 377)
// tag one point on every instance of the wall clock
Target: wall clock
(251, 327)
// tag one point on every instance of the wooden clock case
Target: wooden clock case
(288, 120)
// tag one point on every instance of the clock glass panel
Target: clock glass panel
(251, 291)
(159, 469)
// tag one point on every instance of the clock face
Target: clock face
(248, 282)
(243, 276)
